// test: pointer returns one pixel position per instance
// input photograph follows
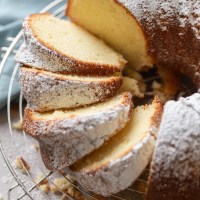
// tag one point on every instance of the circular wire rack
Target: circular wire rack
(30, 188)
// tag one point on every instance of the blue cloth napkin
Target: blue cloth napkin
(12, 13)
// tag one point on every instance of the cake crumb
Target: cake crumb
(168, 88)
(44, 188)
(18, 125)
(62, 183)
(131, 85)
(156, 85)
(22, 165)
(131, 73)
(1, 197)
(39, 178)
(76, 195)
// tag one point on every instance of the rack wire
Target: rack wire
(56, 8)
(133, 193)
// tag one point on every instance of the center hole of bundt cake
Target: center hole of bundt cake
(165, 83)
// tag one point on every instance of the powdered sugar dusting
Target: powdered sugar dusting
(177, 155)
(85, 133)
(46, 91)
(162, 12)
(119, 172)
(172, 32)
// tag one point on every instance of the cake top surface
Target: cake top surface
(163, 12)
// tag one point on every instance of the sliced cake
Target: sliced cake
(67, 136)
(146, 32)
(61, 46)
(114, 23)
(175, 168)
(45, 91)
(119, 162)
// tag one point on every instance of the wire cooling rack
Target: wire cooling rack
(20, 145)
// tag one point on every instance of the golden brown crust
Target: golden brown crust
(86, 70)
(45, 158)
(79, 67)
(28, 124)
(118, 79)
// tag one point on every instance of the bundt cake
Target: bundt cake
(66, 136)
(146, 32)
(45, 91)
(60, 46)
(116, 164)
(175, 169)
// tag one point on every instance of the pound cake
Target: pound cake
(61, 46)
(115, 165)
(45, 91)
(66, 136)
(107, 145)
(175, 169)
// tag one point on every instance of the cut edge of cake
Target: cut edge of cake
(111, 168)
(113, 22)
(67, 136)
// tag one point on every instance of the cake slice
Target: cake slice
(115, 24)
(46, 91)
(67, 136)
(61, 46)
(116, 164)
